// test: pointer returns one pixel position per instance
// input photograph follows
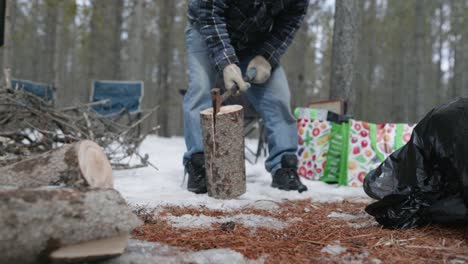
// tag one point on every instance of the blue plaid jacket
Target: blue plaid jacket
(235, 29)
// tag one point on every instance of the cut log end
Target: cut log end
(94, 165)
(224, 110)
(91, 251)
(80, 165)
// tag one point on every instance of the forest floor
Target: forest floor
(326, 224)
(303, 232)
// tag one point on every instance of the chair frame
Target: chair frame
(117, 116)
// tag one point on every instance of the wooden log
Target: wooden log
(224, 152)
(79, 165)
(51, 223)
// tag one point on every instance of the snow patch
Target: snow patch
(346, 216)
(154, 253)
(334, 250)
(265, 205)
(222, 256)
(249, 220)
(150, 188)
(337, 255)
(363, 224)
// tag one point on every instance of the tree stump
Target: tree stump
(79, 165)
(50, 223)
(224, 152)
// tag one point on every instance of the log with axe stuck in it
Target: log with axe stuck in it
(223, 139)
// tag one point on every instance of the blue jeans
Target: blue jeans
(271, 100)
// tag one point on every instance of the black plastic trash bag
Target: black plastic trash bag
(426, 181)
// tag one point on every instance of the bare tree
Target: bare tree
(164, 64)
(9, 29)
(418, 95)
(105, 39)
(136, 67)
(345, 49)
(58, 55)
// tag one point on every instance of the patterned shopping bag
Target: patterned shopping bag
(314, 135)
(369, 145)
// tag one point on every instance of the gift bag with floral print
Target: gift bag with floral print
(369, 145)
(314, 135)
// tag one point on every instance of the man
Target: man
(228, 37)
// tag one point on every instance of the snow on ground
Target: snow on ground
(346, 216)
(357, 221)
(150, 188)
(249, 220)
(153, 253)
(334, 249)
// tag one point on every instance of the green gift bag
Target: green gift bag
(368, 146)
(337, 153)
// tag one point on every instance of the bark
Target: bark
(165, 59)
(39, 224)
(458, 27)
(462, 88)
(47, 74)
(364, 77)
(441, 38)
(78, 165)
(224, 152)
(136, 68)
(105, 41)
(418, 61)
(37, 44)
(345, 49)
(9, 29)
(58, 55)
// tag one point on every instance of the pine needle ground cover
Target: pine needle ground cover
(303, 232)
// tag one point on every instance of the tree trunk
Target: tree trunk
(224, 152)
(136, 67)
(105, 40)
(78, 165)
(9, 26)
(345, 49)
(47, 73)
(441, 90)
(37, 225)
(58, 55)
(165, 60)
(456, 51)
(37, 45)
(418, 61)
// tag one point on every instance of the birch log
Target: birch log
(50, 223)
(224, 152)
(79, 165)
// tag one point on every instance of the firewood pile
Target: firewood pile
(30, 125)
(60, 207)
(57, 200)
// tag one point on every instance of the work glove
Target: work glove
(263, 68)
(233, 77)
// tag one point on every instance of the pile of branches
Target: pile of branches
(29, 125)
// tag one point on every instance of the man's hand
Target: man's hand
(263, 68)
(233, 76)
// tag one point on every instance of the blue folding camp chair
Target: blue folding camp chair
(44, 91)
(120, 98)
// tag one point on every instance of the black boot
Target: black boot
(195, 168)
(287, 178)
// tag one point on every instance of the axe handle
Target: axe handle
(249, 76)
